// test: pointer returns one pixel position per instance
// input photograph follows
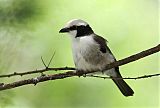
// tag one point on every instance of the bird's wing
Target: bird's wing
(102, 43)
(104, 48)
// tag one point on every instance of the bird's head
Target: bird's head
(77, 28)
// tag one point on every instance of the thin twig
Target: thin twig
(36, 71)
(43, 62)
(51, 59)
(128, 78)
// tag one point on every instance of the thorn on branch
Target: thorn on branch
(43, 62)
(66, 67)
(51, 59)
(42, 74)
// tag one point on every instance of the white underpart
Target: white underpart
(72, 33)
(80, 46)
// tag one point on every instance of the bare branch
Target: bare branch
(76, 73)
(55, 77)
(135, 78)
(134, 57)
(36, 71)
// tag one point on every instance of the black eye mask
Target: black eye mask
(83, 30)
(73, 28)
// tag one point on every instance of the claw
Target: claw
(35, 81)
(84, 75)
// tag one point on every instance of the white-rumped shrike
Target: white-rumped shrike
(90, 52)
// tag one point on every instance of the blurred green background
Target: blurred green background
(29, 30)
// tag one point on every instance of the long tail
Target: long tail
(123, 86)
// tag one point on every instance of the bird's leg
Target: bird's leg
(101, 70)
(84, 75)
(79, 72)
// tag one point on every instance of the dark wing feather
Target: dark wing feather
(102, 43)
(104, 48)
(121, 84)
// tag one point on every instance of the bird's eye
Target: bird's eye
(73, 28)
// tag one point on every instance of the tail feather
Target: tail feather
(123, 87)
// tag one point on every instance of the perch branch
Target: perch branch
(135, 78)
(77, 73)
(36, 71)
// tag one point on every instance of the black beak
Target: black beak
(64, 30)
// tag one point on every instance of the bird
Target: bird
(90, 52)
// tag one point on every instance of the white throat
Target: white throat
(72, 34)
